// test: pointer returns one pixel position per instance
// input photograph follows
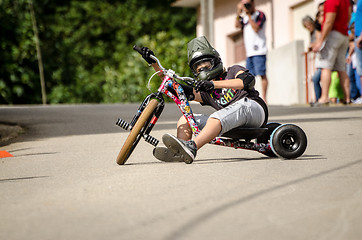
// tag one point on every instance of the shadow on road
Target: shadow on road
(21, 179)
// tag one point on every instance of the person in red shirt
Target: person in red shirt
(332, 46)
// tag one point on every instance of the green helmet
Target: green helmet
(203, 59)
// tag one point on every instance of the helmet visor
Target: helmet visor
(202, 65)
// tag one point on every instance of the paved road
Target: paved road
(63, 182)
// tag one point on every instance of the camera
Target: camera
(247, 6)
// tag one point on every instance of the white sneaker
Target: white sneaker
(357, 101)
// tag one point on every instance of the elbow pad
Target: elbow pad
(248, 80)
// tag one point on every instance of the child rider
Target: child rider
(231, 92)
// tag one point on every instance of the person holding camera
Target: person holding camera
(252, 23)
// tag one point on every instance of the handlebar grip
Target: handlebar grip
(138, 49)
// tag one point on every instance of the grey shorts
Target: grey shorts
(333, 54)
(243, 113)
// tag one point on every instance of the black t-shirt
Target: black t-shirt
(221, 98)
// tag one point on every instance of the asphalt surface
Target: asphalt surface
(63, 182)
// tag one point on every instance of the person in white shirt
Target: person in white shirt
(252, 23)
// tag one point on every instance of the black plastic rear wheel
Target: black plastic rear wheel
(288, 141)
(266, 136)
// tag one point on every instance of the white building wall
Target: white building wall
(285, 69)
(283, 26)
(288, 20)
(224, 24)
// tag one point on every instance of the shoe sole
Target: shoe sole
(177, 146)
(166, 155)
(317, 104)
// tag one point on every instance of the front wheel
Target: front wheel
(288, 141)
(134, 136)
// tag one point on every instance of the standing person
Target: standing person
(358, 43)
(314, 28)
(355, 83)
(252, 23)
(316, 78)
(309, 24)
(332, 46)
(230, 92)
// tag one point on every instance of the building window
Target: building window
(236, 48)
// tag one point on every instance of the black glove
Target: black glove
(204, 86)
(146, 52)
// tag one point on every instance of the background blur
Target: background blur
(86, 48)
(87, 56)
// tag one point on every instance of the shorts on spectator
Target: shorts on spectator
(256, 65)
(333, 54)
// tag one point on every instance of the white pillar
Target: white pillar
(207, 19)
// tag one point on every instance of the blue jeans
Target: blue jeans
(358, 52)
(256, 65)
(355, 82)
(316, 78)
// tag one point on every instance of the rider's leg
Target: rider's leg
(245, 112)
(188, 149)
(211, 130)
(184, 131)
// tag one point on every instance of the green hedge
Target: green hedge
(87, 48)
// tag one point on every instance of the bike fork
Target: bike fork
(128, 126)
(149, 125)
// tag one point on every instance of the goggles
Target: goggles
(203, 64)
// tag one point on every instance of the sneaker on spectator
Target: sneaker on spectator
(357, 101)
(186, 149)
(319, 104)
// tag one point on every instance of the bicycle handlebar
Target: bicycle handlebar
(139, 50)
(188, 80)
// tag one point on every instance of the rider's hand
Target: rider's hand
(146, 53)
(204, 86)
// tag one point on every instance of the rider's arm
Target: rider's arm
(230, 83)
(242, 78)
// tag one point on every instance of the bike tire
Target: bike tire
(133, 137)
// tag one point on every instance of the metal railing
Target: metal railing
(310, 69)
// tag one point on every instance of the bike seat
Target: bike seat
(245, 133)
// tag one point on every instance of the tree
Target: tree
(18, 64)
(87, 47)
